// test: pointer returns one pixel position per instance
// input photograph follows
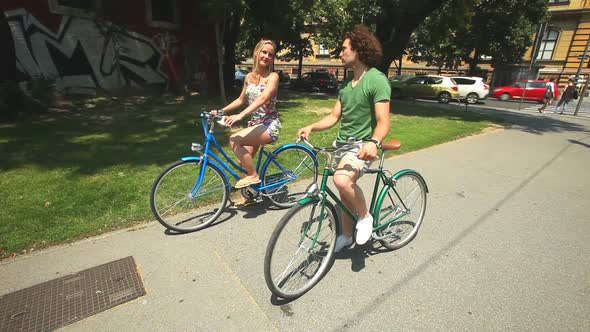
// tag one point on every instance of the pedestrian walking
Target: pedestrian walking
(549, 94)
(566, 97)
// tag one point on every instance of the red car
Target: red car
(528, 90)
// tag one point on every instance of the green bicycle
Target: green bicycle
(301, 247)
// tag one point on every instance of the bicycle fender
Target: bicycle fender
(210, 162)
(406, 171)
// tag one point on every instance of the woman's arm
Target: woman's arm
(241, 98)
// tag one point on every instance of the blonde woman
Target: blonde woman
(260, 91)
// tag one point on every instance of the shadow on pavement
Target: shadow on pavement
(226, 215)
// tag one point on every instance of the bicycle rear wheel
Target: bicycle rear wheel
(176, 204)
(300, 250)
(287, 166)
(412, 190)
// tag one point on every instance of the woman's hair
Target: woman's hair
(257, 49)
(366, 45)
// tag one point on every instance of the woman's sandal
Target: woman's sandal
(243, 183)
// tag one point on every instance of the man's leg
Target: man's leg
(351, 194)
(345, 179)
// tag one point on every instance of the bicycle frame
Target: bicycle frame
(208, 156)
(376, 200)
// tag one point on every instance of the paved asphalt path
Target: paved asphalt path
(504, 246)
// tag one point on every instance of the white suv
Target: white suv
(472, 89)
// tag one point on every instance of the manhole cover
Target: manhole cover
(68, 299)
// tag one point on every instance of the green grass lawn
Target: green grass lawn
(89, 169)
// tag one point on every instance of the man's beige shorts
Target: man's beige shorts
(349, 155)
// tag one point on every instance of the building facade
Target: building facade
(563, 40)
(86, 46)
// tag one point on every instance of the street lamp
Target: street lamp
(302, 37)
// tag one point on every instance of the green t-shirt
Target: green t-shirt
(358, 105)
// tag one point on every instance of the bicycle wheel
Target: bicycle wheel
(300, 250)
(410, 187)
(283, 169)
(177, 205)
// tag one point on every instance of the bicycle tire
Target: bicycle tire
(412, 189)
(176, 208)
(282, 268)
(301, 163)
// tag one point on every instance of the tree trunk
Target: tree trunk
(232, 32)
(473, 62)
(397, 22)
(220, 61)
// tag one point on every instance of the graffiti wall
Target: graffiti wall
(85, 55)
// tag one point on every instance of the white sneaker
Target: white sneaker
(341, 242)
(364, 229)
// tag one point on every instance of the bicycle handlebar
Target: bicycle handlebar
(208, 115)
(350, 144)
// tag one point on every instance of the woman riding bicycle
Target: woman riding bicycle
(260, 91)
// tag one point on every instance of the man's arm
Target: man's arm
(324, 123)
(369, 149)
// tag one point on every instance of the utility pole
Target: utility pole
(578, 75)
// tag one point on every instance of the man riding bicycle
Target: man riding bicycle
(363, 111)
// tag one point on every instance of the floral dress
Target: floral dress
(266, 114)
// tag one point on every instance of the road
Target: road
(504, 246)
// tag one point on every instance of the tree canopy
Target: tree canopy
(443, 33)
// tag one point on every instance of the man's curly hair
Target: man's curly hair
(366, 45)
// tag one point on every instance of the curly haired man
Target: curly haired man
(363, 111)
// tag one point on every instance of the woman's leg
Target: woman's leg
(245, 143)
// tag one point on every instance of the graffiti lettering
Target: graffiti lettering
(84, 54)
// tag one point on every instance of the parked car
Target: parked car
(442, 88)
(316, 81)
(527, 90)
(472, 89)
(239, 77)
(400, 78)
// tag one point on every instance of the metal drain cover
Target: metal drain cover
(68, 299)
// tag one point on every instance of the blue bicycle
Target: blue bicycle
(191, 193)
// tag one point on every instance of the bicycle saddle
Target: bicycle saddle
(391, 144)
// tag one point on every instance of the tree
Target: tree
(436, 41)
(393, 21)
(502, 29)
(243, 22)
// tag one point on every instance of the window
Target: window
(536, 85)
(82, 8)
(464, 81)
(324, 51)
(162, 13)
(553, 2)
(548, 44)
(416, 80)
(434, 80)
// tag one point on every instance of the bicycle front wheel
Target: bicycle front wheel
(282, 171)
(403, 207)
(300, 250)
(180, 204)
